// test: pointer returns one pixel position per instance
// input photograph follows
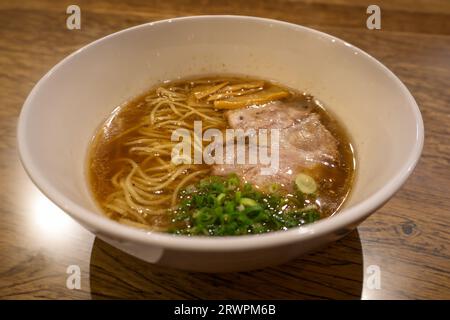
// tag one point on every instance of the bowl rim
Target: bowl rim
(103, 226)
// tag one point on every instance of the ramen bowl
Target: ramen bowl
(66, 107)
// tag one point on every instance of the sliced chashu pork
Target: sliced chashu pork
(303, 143)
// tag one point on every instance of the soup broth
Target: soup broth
(135, 180)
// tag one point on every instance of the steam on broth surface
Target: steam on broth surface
(136, 181)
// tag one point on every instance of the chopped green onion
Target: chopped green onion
(305, 183)
(274, 187)
(220, 198)
(218, 206)
(248, 202)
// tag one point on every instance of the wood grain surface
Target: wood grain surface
(408, 238)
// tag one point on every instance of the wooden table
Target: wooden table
(408, 238)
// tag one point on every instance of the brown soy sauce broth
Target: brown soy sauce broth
(108, 145)
(335, 179)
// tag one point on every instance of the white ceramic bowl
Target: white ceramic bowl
(65, 108)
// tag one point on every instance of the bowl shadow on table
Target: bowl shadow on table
(334, 272)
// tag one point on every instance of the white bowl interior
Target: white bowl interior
(71, 102)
